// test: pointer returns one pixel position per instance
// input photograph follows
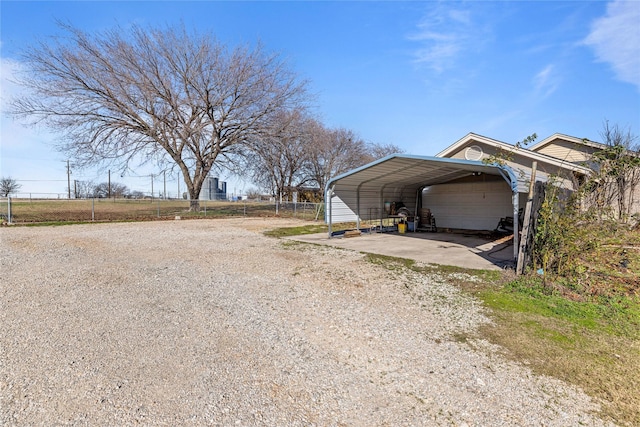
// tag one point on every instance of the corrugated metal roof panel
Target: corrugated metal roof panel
(414, 172)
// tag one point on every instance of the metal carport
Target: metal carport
(360, 194)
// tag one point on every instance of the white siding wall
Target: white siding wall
(568, 151)
(469, 206)
(340, 211)
(344, 203)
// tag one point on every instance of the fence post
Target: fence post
(93, 209)
(8, 209)
(525, 241)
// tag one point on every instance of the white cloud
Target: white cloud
(546, 81)
(615, 38)
(8, 88)
(444, 34)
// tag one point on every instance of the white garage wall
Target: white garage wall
(469, 206)
(339, 211)
(344, 203)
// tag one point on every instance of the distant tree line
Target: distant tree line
(90, 190)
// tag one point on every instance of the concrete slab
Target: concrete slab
(461, 250)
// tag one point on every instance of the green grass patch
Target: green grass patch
(593, 344)
(452, 273)
(316, 227)
(389, 262)
(61, 223)
(50, 223)
(298, 231)
(598, 353)
(619, 315)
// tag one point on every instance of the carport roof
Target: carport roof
(413, 172)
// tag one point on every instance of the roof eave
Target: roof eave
(555, 136)
(522, 151)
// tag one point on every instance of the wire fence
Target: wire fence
(30, 210)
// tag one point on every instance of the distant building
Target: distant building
(213, 189)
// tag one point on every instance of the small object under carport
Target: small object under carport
(402, 227)
(354, 232)
(430, 225)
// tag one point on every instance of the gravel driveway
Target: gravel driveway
(209, 322)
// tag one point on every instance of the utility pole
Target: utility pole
(109, 186)
(164, 193)
(68, 180)
(151, 186)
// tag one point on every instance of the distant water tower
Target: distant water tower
(213, 189)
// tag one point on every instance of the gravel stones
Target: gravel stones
(209, 322)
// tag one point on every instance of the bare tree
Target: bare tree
(299, 151)
(83, 189)
(8, 185)
(614, 186)
(333, 152)
(253, 194)
(167, 96)
(377, 151)
(277, 159)
(115, 189)
(336, 151)
(621, 161)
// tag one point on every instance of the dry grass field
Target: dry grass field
(25, 211)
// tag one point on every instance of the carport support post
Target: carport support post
(358, 208)
(328, 212)
(416, 218)
(516, 243)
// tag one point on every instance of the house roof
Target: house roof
(557, 136)
(413, 172)
(533, 155)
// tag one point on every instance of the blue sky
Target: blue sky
(420, 75)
